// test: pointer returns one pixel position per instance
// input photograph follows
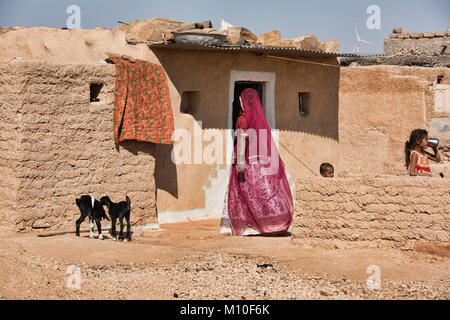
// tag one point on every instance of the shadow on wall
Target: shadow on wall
(136, 147)
(307, 95)
(165, 169)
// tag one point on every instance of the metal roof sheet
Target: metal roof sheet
(258, 50)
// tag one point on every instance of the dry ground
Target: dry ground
(192, 261)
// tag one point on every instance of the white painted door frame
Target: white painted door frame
(268, 81)
(268, 103)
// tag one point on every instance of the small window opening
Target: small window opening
(95, 89)
(439, 79)
(303, 103)
(190, 102)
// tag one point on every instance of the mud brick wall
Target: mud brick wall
(9, 96)
(56, 145)
(369, 212)
(445, 153)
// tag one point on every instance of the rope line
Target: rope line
(304, 61)
(307, 167)
(338, 66)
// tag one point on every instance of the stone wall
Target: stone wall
(55, 146)
(372, 211)
(427, 43)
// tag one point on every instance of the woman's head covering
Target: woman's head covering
(260, 137)
(253, 110)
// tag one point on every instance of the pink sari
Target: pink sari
(259, 198)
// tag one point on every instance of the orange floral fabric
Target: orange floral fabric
(142, 108)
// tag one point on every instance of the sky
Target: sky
(326, 19)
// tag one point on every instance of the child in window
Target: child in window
(417, 159)
(327, 170)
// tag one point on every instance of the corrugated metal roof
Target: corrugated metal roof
(259, 50)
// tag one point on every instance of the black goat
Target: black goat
(118, 211)
(89, 207)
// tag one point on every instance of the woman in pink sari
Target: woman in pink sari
(259, 199)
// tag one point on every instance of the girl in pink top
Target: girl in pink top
(417, 159)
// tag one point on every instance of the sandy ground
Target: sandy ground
(192, 261)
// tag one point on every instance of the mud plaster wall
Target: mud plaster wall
(372, 212)
(437, 123)
(312, 139)
(56, 146)
(378, 109)
(180, 187)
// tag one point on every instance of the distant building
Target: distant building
(427, 43)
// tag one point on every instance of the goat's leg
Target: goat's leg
(91, 228)
(128, 228)
(99, 228)
(113, 227)
(121, 228)
(78, 224)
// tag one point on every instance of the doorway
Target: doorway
(263, 82)
(240, 86)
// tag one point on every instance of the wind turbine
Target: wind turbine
(358, 41)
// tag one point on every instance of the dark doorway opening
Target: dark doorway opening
(240, 86)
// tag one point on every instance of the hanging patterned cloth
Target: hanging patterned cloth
(142, 108)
